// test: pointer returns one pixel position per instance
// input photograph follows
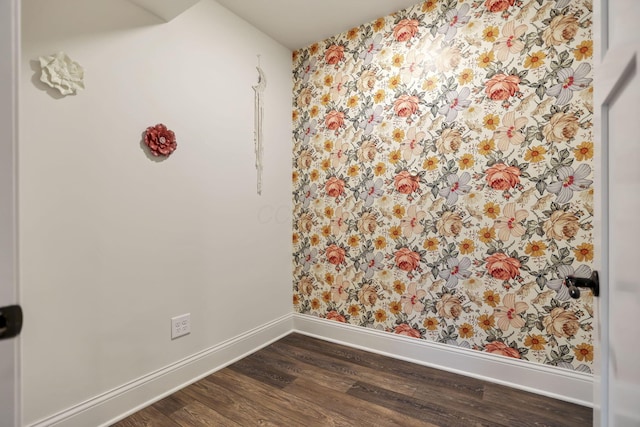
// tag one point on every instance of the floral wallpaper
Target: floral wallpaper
(443, 176)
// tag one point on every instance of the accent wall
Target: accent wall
(442, 177)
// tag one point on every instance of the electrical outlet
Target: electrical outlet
(180, 325)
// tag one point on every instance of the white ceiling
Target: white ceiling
(298, 23)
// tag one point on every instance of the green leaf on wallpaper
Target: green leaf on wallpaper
(563, 55)
(540, 91)
(541, 281)
(531, 133)
(541, 186)
(564, 253)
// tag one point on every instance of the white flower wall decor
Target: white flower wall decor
(62, 73)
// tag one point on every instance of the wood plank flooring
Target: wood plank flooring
(302, 381)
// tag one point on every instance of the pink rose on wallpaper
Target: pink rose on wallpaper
(406, 183)
(335, 254)
(334, 187)
(160, 140)
(334, 315)
(405, 29)
(498, 5)
(334, 120)
(497, 347)
(503, 177)
(334, 54)
(406, 259)
(502, 266)
(502, 86)
(406, 105)
(407, 331)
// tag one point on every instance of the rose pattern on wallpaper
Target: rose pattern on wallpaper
(443, 177)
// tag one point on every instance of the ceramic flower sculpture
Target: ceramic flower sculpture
(160, 140)
(61, 73)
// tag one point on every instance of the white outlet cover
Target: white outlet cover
(180, 325)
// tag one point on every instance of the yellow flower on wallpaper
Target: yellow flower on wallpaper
(584, 252)
(430, 83)
(442, 182)
(431, 244)
(535, 59)
(584, 352)
(535, 342)
(491, 210)
(583, 50)
(535, 248)
(430, 163)
(486, 321)
(466, 246)
(431, 323)
(466, 76)
(490, 33)
(486, 234)
(466, 161)
(491, 121)
(584, 151)
(486, 146)
(485, 59)
(535, 154)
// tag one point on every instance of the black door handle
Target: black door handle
(573, 283)
(10, 321)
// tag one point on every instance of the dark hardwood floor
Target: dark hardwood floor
(302, 381)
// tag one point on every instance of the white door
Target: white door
(9, 57)
(617, 108)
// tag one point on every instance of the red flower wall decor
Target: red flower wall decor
(160, 140)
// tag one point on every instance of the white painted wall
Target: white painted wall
(113, 244)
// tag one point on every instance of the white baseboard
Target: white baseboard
(558, 383)
(122, 401)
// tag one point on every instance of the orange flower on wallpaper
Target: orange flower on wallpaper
(335, 254)
(405, 29)
(406, 105)
(334, 120)
(334, 315)
(407, 330)
(502, 86)
(497, 347)
(406, 259)
(334, 54)
(502, 177)
(498, 5)
(503, 267)
(334, 187)
(406, 183)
